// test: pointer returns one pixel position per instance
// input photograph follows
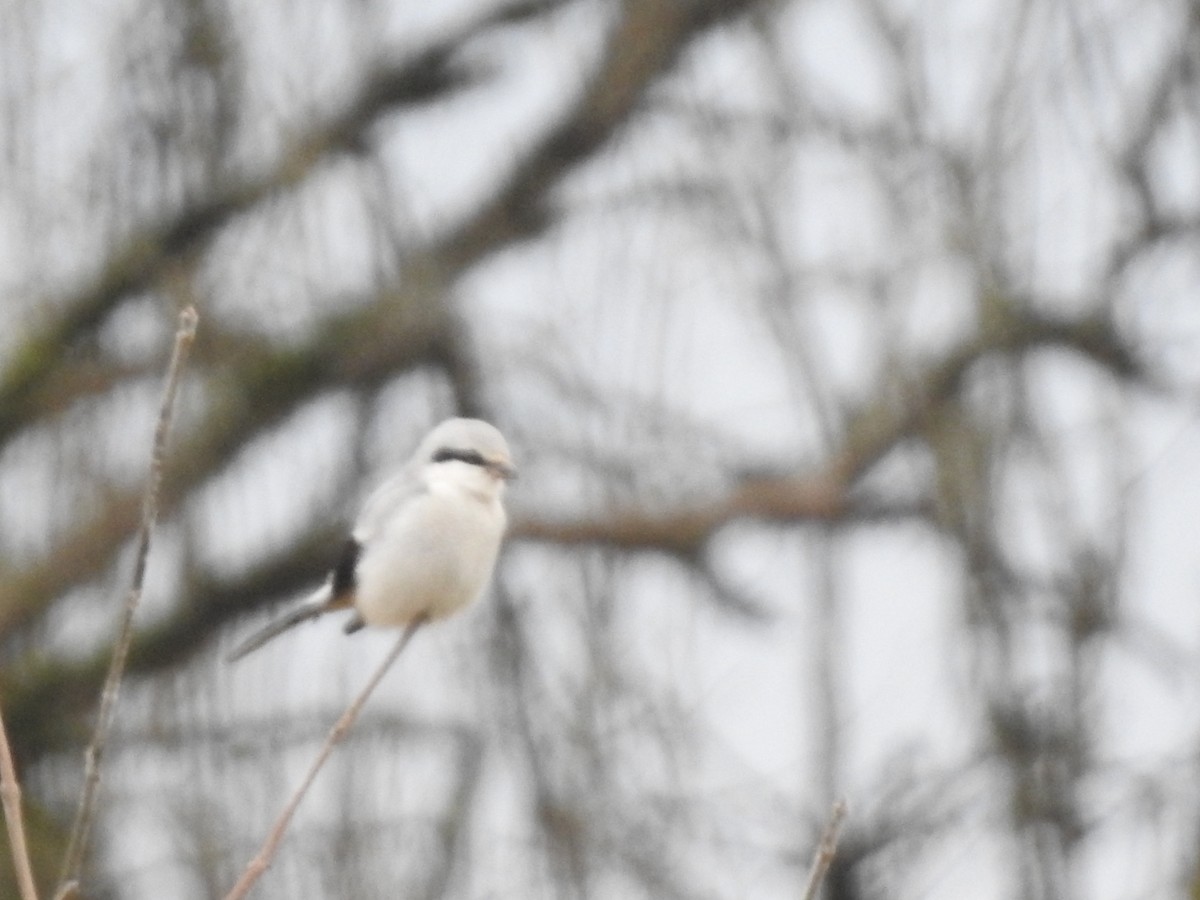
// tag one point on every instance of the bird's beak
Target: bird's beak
(503, 470)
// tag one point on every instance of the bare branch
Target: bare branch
(144, 256)
(826, 849)
(823, 495)
(648, 41)
(10, 794)
(262, 861)
(387, 336)
(80, 831)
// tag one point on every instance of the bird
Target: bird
(425, 542)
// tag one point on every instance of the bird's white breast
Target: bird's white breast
(433, 556)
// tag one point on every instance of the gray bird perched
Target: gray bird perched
(425, 542)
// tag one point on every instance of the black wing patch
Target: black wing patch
(471, 457)
(344, 581)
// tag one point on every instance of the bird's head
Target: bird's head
(472, 443)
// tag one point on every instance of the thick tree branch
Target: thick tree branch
(648, 40)
(822, 495)
(405, 325)
(144, 257)
(69, 688)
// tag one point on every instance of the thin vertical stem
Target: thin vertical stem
(10, 793)
(81, 830)
(826, 849)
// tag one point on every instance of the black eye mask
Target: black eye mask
(471, 457)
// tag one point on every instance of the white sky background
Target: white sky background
(649, 310)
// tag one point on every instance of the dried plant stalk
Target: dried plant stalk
(260, 863)
(826, 849)
(85, 814)
(10, 793)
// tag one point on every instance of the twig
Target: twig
(10, 793)
(259, 864)
(81, 829)
(826, 849)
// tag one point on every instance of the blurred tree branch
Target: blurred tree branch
(823, 496)
(403, 326)
(252, 386)
(647, 41)
(887, 256)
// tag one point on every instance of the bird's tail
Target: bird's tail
(308, 608)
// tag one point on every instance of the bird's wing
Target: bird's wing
(382, 503)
